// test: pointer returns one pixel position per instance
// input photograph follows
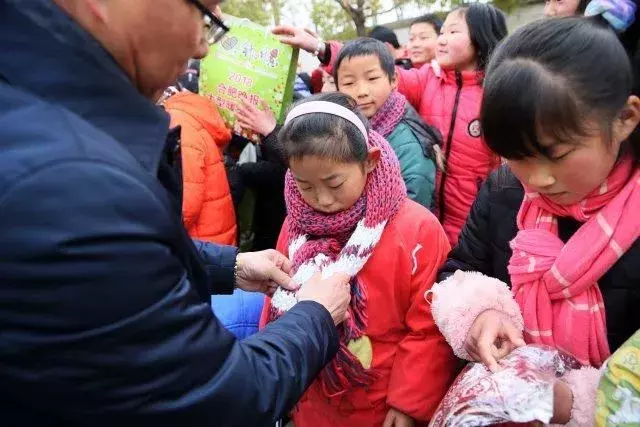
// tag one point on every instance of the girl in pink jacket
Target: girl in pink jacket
(558, 224)
(447, 94)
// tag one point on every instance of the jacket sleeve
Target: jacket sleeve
(461, 296)
(273, 149)
(194, 158)
(412, 83)
(91, 280)
(472, 252)
(281, 247)
(220, 262)
(418, 173)
(425, 365)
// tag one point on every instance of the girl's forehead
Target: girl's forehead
(457, 17)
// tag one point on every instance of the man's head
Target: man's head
(365, 70)
(152, 40)
(388, 37)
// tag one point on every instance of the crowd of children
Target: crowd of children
(483, 198)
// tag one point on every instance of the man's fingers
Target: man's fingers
(284, 30)
(311, 32)
(281, 278)
(340, 278)
(284, 263)
(271, 289)
(288, 41)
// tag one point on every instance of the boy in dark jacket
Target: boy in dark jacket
(365, 70)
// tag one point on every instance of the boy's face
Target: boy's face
(422, 43)
(363, 79)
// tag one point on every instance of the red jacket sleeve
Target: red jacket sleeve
(334, 52)
(281, 246)
(424, 367)
(412, 83)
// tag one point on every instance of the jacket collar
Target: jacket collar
(49, 55)
(466, 78)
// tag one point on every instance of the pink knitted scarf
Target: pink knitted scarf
(342, 242)
(555, 283)
(390, 114)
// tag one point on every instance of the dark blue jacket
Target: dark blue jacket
(104, 300)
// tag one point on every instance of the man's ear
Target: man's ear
(373, 158)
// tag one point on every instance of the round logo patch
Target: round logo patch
(474, 128)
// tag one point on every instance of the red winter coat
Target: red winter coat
(450, 101)
(415, 363)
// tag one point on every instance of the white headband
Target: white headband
(327, 108)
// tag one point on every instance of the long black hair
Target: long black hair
(326, 135)
(547, 78)
(487, 27)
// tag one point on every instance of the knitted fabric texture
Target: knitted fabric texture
(390, 114)
(555, 283)
(342, 243)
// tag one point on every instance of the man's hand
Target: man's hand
(297, 37)
(333, 293)
(263, 272)
(396, 418)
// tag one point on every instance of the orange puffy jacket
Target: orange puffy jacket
(207, 207)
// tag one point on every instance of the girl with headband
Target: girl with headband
(348, 212)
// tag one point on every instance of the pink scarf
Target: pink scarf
(390, 114)
(342, 242)
(554, 283)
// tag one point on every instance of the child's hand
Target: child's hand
(396, 418)
(492, 337)
(260, 121)
(297, 37)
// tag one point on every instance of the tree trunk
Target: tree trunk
(275, 7)
(360, 21)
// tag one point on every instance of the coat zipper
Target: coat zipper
(447, 148)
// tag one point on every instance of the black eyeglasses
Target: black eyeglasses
(215, 29)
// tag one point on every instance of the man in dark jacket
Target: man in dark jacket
(104, 299)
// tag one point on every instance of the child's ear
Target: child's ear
(372, 159)
(627, 120)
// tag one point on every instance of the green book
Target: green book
(248, 63)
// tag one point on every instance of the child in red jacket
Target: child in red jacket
(348, 212)
(447, 94)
